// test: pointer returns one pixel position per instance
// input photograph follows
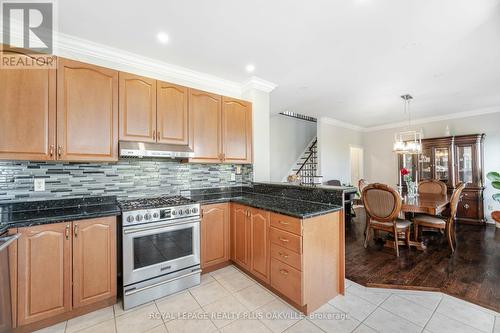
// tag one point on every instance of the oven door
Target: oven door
(159, 248)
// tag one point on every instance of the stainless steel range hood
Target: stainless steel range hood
(145, 149)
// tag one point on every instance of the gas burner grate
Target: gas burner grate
(155, 202)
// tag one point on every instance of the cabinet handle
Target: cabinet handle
(466, 206)
(158, 135)
(283, 255)
(284, 223)
(76, 230)
(284, 240)
(59, 150)
(284, 272)
(66, 232)
(154, 135)
(51, 150)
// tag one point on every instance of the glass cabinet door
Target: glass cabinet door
(441, 165)
(464, 164)
(425, 165)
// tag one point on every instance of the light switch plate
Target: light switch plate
(39, 184)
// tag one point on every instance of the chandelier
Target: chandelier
(409, 141)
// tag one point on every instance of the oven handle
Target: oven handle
(134, 291)
(6, 241)
(131, 230)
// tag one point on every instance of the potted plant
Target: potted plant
(495, 182)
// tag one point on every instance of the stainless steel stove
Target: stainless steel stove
(161, 247)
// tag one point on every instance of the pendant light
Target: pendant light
(409, 141)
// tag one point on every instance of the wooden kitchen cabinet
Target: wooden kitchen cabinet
(137, 108)
(44, 272)
(259, 243)
(240, 240)
(236, 130)
(28, 114)
(173, 124)
(206, 114)
(65, 270)
(214, 234)
(94, 260)
(87, 112)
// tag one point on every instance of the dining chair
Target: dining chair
(441, 223)
(432, 186)
(383, 204)
(334, 182)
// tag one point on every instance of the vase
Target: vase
(411, 189)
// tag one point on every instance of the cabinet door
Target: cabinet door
(87, 112)
(214, 234)
(260, 245)
(137, 108)
(205, 110)
(425, 164)
(236, 130)
(28, 114)
(173, 124)
(241, 239)
(44, 272)
(466, 165)
(442, 165)
(94, 260)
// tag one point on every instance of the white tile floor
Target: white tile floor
(229, 301)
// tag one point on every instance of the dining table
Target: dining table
(424, 203)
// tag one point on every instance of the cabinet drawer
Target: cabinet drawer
(286, 280)
(286, 239)
(284, 255)
(286, 223)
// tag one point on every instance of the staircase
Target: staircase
(307, 165)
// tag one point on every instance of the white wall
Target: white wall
(334, 143)
(289, 138)
(381, 162)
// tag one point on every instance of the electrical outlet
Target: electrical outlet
(39, 184)
(238, 169)
(233, 176)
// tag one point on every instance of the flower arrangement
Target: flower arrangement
(406, 174)
(411, 186)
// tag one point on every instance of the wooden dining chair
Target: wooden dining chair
(441, 223)
(383, 204)
(432, 186)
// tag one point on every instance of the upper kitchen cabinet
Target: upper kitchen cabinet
(137, 108)
(87, 112)
(28, 113)
(206, 115)
(236, 130)
(173, 123)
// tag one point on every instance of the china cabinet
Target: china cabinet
(452, 160)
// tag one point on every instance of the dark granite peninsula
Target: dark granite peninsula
(30, 213)
(296, 201)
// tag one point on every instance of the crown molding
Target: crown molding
(339, 123)
(87, 51)
(426, 120)
(257, 83)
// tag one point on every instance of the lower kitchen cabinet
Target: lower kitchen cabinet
(214, 234)
(259, 243)
(94, 260)
(63, 267)
(44, 272)
(240, 235)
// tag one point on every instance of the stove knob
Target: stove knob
(138, 217)
(147, 216)
(180, 212)
(187, 211)
(156, 215)
(130, 219)
(174, 212)
(194, 210)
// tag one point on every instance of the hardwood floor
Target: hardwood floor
(472, 273)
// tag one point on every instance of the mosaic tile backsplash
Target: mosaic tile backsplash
(125, 178)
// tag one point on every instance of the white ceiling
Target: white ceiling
(345, 59)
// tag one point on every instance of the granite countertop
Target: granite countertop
(296, 208)
(29, 213)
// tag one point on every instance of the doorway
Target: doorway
(357, 171)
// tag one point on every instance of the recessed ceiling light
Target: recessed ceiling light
(250, 68)
(162, 37)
